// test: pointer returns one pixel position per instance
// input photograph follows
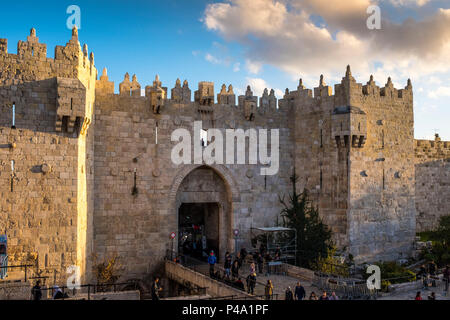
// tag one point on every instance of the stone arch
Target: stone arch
(221, 170)
(227, 210)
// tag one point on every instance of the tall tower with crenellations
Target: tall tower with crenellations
(47, 107)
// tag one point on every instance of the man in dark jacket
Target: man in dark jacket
(227, 264)
(36, 291)
(446, 277)
(299, 292)
(260, 262)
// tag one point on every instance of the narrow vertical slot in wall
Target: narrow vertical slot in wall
(12, 175)
(71, 103)
(321, 138)
(321, 179)
(13, 124)
(156, 133)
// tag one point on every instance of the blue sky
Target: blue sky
(259, 42)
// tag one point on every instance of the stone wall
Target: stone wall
(362, 172)
(432, 162)
(131, 137)
(45, 171)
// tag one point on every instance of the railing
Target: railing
(345, 288)
(237, 297)
(219, 273)
(92, 288)
(25, 266)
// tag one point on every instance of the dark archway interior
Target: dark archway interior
(198, 229)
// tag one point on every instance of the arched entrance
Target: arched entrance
(204, 210)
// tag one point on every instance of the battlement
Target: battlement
(68, 60)
(432, 149)
(28, 78)
(344, 91)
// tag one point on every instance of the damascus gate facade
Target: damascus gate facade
(85, 170)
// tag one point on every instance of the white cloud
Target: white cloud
(212, 59)
(236, 67)
(253, 67)
(401, 3)
(439, 93)
(258, 85)
(282, 34)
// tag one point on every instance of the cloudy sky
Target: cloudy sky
(264, 43)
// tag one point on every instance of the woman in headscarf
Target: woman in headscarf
(57, 293)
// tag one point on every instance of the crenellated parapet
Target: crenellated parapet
(104, 86)
(226, 96)
(249, 103)
(268, 101)
(130, 88)
(31, 47)
(181, 94)
(205, 93)
(428, 150)
(68, 81)
(322, 90)
(157, 95)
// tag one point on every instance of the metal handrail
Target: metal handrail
(20, 266)
(93, 286)
(173, 255)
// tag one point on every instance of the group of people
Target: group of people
(36, 292)
(432, 296)
(429, 274)
(300, 294)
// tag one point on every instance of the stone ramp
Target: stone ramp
(198, 274)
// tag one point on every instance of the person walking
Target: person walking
(239, 259)
(333, 296)
(36, 291)
(432, 268)
(288, 295)
(418, 296)
(57, 293)
(312, 296)
(324, 296)
(299, 292)
(260, 261)
(156, 289)
(251, 282)
(446, 277)
(235, 269)
(269, 290)
(432, 296)
(252, 268)
(227, 265)
(212, 261)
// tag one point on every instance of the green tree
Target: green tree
(313, 236)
